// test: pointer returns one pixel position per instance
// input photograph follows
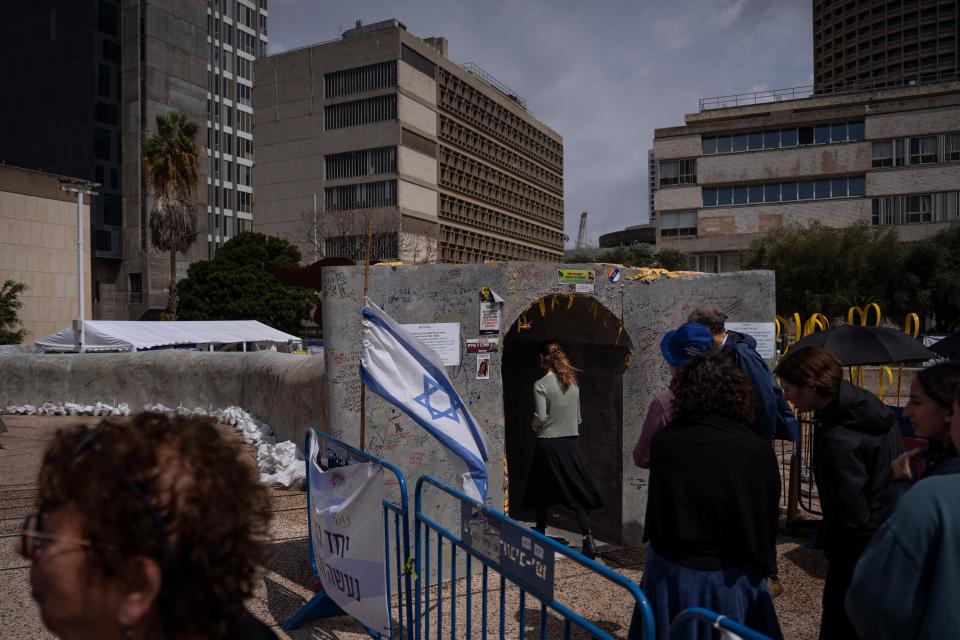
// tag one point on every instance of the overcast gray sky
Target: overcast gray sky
(603, 74)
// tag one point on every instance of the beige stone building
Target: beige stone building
(730, 174)
(38, 246)
(379, 127)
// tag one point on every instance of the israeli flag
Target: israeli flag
(400, 369)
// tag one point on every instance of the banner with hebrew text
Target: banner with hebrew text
(347, 536)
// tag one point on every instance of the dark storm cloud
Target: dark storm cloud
(604, 74)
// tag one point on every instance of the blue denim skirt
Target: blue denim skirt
(740, 594)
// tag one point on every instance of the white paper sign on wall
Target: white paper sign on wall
(765, 333)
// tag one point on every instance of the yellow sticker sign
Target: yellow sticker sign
(575, 276)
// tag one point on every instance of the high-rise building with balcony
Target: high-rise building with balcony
(90, 78)
(866, 44)
(380, 129)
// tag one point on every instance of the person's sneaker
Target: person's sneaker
(774, 586)
(589, 548)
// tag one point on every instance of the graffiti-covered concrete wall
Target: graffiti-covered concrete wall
(629, 305)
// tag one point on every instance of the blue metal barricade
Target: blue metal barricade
(524, 560)
(715, 620)
(396, 528)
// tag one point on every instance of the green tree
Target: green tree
(10, 304)
(928, 281)
(672, 260)
(824, 269)
(235, 285)
(171, 160)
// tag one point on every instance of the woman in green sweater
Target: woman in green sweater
(558, 474)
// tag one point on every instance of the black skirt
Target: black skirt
(558, 475)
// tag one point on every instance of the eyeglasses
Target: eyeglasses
(33, 538)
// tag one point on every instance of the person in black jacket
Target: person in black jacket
(712, 505)
(855, 439)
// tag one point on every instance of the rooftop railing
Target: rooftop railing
(808, 91)
(479, 72)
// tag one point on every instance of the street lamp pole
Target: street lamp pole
(79, 187)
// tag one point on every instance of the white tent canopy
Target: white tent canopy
(116, 335)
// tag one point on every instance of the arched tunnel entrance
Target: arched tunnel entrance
(597, 344)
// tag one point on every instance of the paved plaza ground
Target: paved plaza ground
(287, 583)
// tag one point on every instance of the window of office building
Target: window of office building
(917, 208)
(350, 114)
(245, 15)
(360, 163)
(136, 288)
(361, 196)
(917, 150)
(953, 147)
(674, 224)
(244, 68)
(103, 80)
(108, 18)
(106, 113)
(383, 246)
(244, 202)
(678, 172)
(244, 121)
(847, 187)
(360, 79)
(417, 61)
(784, 138)
(418, 143)
(714, 262)
(923, 150)
(244, 148)
(243, 93)
(884, 153)
(247, 42)
(101, 144)
(244, 175)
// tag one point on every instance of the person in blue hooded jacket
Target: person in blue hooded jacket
(774, 418)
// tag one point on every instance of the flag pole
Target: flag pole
(363, 387)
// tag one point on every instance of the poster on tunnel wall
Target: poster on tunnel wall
(347, 531)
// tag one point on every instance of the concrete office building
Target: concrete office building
(38, 246)
(890, 157)
(90, 79)
(380, 127)
(876, 43)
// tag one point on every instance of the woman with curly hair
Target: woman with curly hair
(712, 505)
(558, 474)
(146, 529)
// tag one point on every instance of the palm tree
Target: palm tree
(171, 160)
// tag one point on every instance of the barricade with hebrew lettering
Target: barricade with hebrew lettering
(398, 561)
(520, 564)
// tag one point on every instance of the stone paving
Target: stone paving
(287, 583)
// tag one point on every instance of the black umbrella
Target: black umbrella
(855, 345)
(948, 347)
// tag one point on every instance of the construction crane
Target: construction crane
(582, 235)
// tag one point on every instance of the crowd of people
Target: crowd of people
(154, 528)
(891, 519)
(891, 527)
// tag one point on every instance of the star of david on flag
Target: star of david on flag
(430, 386)
(402, 370)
